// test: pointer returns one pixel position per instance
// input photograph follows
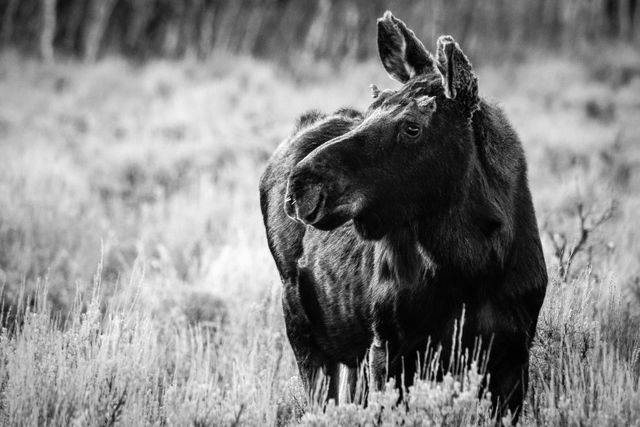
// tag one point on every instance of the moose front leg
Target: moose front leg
(320, 376)
(318, 373)
(508, 370)
(385, 355)
(378, 363)
(386, 361)
(508, 393)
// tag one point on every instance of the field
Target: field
(137, 284)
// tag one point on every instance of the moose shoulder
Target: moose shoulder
(386, 225)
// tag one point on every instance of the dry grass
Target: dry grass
(151, 172)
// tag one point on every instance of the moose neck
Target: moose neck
(401, 258)
(473, 235)
(467, 240)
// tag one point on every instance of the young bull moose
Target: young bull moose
(386, 225)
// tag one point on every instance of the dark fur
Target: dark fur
(444, 225)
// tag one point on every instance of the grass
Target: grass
(148, 175)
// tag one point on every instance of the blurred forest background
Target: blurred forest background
(137, 286)
(318, 28)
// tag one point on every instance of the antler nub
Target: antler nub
(427, 103)
(375, 91)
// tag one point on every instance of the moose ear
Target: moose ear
(402, 54)
(458, 78)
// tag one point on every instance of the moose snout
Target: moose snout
(305, 200)
(319, 195)
(308, 206)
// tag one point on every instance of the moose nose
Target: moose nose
(308, 204)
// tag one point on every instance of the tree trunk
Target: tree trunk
(7, 22)
(48, 29)
(205, 37)
(98, 17)
(611, 14)
(142, 10)
(73, 20)
(632, 11)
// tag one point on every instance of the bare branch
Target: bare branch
(588, 222)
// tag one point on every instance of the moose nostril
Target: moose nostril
(308, 205)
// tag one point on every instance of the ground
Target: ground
(129, 203)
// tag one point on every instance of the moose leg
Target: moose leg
(318, 374)
(378, 361)
(403, 368)
(507, 393)
(356, 384)
(509, 375)
(332, 372)
(387, 361)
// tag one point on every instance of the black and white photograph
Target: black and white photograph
(319, 213)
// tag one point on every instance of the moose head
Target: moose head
(410, 155)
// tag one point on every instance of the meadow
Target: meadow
(138, 288)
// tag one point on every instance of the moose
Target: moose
(387, 225)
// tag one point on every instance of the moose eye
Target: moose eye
(412, 130)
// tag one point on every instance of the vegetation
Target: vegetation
(148, 175)
(294, 31)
